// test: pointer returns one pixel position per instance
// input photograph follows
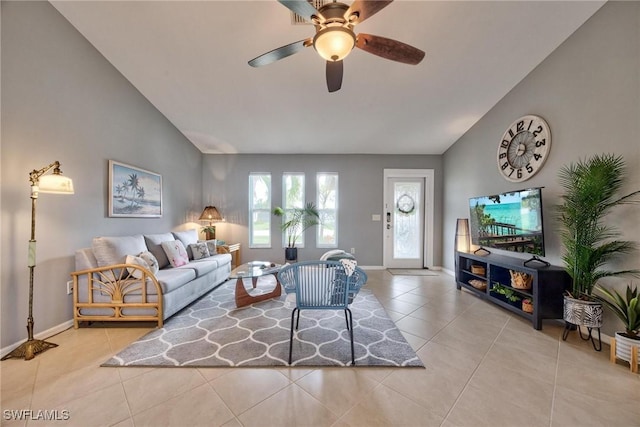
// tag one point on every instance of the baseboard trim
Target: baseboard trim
(449, 272)
(382, 267)
(40, 336)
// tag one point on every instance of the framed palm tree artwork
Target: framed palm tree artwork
(134, 192)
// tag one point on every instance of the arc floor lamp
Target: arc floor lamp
(54, 183)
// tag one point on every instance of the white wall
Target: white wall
(61, 100)
(588, 90)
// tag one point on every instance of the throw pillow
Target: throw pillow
(176, 253)
(154, 243)
(199, 250)
(212, 245)
(151, 261)
(187, 238)
(136, 260)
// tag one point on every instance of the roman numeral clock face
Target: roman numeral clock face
(524, 148)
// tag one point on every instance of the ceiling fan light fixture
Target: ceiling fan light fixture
(334, 43)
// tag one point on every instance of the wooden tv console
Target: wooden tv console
(548, 284)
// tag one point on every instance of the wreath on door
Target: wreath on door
(406, 204)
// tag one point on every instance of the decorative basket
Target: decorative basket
(527, 306)
(520, 280)
(478, 284)
(478, 269)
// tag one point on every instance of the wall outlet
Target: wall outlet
(353, 251)
(69, 287)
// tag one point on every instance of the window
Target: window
(260, 210)
(292, 198)
(327, 201)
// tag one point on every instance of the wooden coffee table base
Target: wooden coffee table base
(243, 298)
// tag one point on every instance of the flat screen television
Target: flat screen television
(510, 221)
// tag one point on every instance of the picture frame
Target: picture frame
(134, 192)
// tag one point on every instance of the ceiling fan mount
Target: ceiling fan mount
(335, 38)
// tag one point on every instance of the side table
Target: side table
(234, 250)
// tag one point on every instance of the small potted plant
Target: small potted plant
(509, 294)
(591, 189)
(627, 308)
(296, 221)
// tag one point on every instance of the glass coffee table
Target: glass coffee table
(254, 270)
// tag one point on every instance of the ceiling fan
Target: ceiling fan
(334, 38)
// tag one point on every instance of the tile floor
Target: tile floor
(484, 367)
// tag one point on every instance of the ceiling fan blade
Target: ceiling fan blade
(365, 9)
(301, 7)
(334, 75)
(280, 53)
(389, 49)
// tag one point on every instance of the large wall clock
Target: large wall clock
(524, 148)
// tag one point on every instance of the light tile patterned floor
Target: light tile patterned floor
(484, 367)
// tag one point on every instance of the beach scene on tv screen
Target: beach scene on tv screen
(509, 221)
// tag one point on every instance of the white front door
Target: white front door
(408, 217)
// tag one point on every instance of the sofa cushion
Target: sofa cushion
(187, 238)
(154, 245)
(202, 266)
(174, 278)
(114, 250)
(176, 253)
(199, 250)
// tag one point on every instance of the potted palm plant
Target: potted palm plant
(296, 221)
(627, 308)
(591, 189)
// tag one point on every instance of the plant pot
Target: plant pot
(291, 254)
(583, 313)
(623, 346)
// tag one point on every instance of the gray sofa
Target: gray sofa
(106, 288)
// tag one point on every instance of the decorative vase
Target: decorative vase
(623, 346)
(291, 254)
(583, 313)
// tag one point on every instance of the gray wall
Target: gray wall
(61, 100)
(588, 90)
(225, 185)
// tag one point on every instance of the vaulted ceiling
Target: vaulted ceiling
(189, 59)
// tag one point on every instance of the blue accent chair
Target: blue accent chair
(321, 285)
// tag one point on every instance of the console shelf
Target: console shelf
(548, 284)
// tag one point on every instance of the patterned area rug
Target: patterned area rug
(411, 272)
(212, 332)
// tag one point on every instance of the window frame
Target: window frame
(287, 209)
(336, 210)
(252, 210)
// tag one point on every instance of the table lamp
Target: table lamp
(211, 214)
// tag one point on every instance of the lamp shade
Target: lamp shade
(334, 43)
(56, 184)
(210, 213)
(462, 235)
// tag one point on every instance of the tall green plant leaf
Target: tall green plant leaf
(591, 190)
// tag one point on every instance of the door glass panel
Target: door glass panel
(406, 219)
